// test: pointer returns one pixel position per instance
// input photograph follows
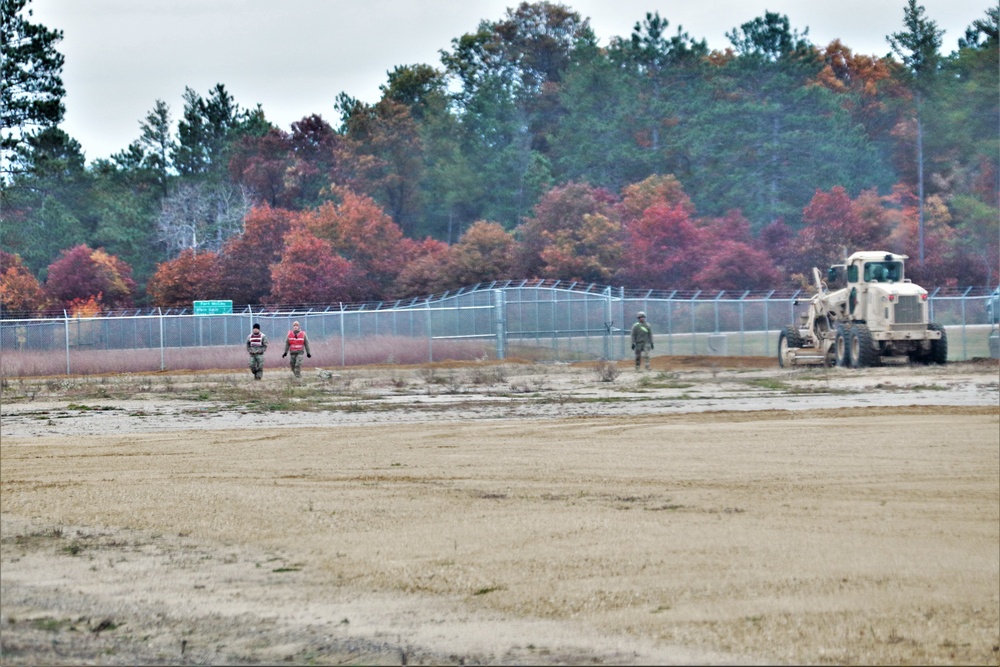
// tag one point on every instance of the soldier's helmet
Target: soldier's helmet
(641, 313)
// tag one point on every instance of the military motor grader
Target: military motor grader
(879, 317)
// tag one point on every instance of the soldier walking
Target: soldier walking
(642, 339)
(256, 346)
(296, 343)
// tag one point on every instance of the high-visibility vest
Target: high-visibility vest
(256, 340)
(296, 342)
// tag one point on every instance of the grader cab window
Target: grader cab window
(883, 272)
(852, 273)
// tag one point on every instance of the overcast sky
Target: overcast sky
(295, 56)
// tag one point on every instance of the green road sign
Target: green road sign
(213, 307)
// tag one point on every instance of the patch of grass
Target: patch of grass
(666, 508)
(487, 375)
(607, 371)
(768, 383)
(659, 382)
(487, 590)
(49, 624)
(287, 569)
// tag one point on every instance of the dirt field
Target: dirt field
(716, 511)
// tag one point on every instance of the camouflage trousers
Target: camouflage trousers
(257, 365)
(642, 351)
(295, 363)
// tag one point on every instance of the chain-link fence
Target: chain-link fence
(537, 320)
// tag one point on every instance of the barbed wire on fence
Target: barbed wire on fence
(535, 283)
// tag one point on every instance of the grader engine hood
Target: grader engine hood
(896, 304)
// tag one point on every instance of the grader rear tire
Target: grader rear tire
(939, 348)
(863, 353)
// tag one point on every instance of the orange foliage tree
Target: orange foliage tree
(866, 85)
(426, 272)
(941, 255)
(20, 291)
(558, 217)
(311, 272)
(835, 223)
(80, 273)
(186, 278)
(590, 252)
(244, 266)
(484, 253)
(359, 230)
(656, 189)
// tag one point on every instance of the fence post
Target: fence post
(621, 314)
(163, 365)
(767, 330)
(430, 334)
(694, 335)
(66, 319)
(343, 332)
(965, 338)
(500, 318)
(670, 322)
(742, 326)
(607, 323)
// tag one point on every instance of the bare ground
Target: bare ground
(711, 511)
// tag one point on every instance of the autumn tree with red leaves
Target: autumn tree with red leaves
(734, 266)
(179, 282)
(311, 272)
(20, 291)
(81, 273)
(260, 163)
(662, 248)
(559, 217)
(359, 230)
(656, 189)
(731, 259)
(427, 270)
(942, 260)
(835, 225)
(244, 266)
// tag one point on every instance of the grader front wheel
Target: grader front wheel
(788, 338)
(842, 345)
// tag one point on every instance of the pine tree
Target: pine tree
(31, 76)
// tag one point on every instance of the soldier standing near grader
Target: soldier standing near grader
(642, 339)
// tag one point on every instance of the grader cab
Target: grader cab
(877, 317)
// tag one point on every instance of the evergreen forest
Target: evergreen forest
(530, 151)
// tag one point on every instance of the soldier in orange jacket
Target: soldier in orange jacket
(296, 343)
